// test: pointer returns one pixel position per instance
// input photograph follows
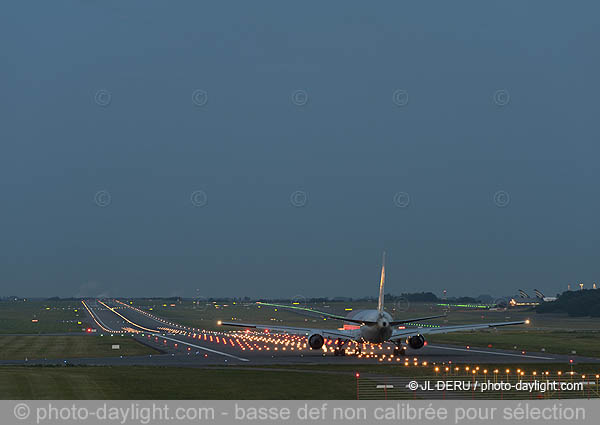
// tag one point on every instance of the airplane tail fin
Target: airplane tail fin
(381, 285)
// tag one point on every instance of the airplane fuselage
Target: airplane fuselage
(377, 333)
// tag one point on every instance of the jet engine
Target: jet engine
(416, 341)
(316, 341)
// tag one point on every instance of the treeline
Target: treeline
(430, 297)
(575, 303)
(417, 297)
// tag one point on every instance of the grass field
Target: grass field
(429, 370)
(59, 347)
(555, 333)
(274, 382)
(41, 317)
(115, 383)
(206, 314)
(585, 343)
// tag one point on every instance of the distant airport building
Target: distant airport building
(525, 300)
(542, 297)
(521, 301)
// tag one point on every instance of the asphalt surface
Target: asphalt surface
(182, 346)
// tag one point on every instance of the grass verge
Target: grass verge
(75, 346)
(148, 383)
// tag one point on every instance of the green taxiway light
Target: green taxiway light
(463, 305)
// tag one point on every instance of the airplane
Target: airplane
(369, 326)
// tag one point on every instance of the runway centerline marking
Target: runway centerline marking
(491, 352)
(126, 319)
(203, 348)
(97, 319)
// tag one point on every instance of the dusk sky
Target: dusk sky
(149, 148)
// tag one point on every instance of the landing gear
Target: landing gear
(339, 349)
(399, 350)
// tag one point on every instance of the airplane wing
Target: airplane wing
(403, 333)
(350, 334)
(418, 319)
(311, 312)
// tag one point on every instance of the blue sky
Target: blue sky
(262, 148)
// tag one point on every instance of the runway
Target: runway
(184, 346)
